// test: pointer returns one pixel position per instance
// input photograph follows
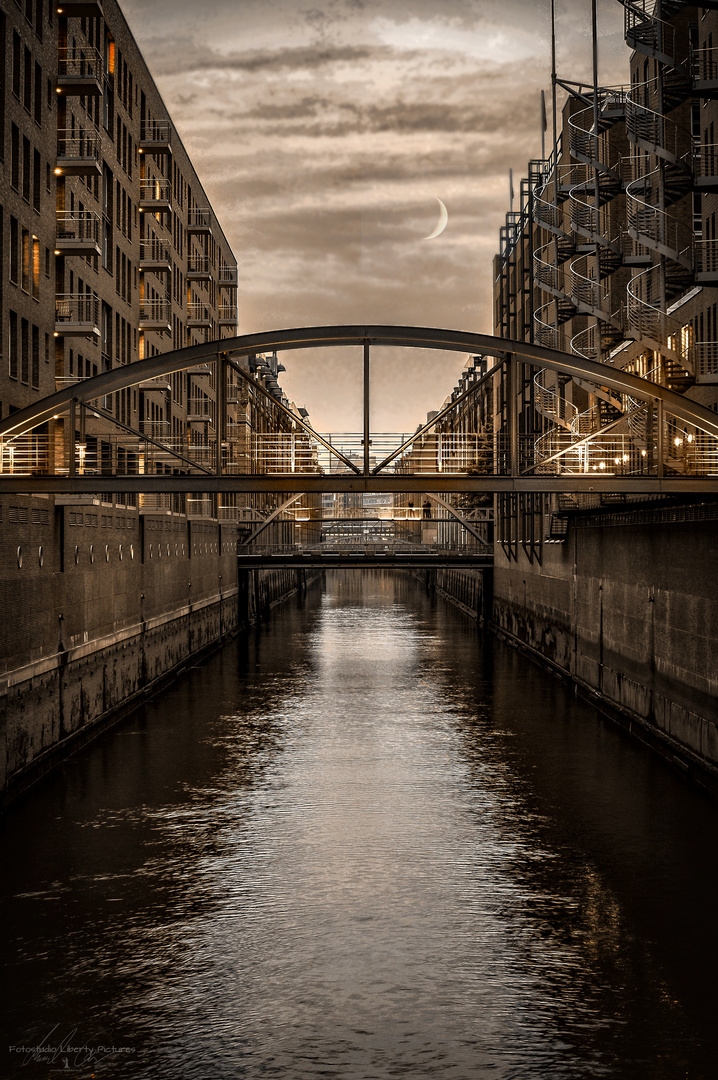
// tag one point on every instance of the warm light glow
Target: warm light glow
(602, 464)
(643, 453)
(56, 334)
(677, 441)
(58, 90)
(56, 251)
(690, 438)
(58, 172)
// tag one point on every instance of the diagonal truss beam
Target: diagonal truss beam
(272, 517)
(455, 513)
(435, 420)
(293, 416)
(141, 436)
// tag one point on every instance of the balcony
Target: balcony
(80, 9)
(705, 165)
(199, 268)
(706, 261)
(155, 256)
(227, 314)
(155, 315)
(79, 72)
(78, 233)
(77, 315)
(200, 370)
(228, 275)
(198, 316)
(156, 196)
(199, 220)
(155, 137)
(199, 410)
(160, 385)
(78, 152)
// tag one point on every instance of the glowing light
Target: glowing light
(58, 172)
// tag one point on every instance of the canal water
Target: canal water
(360, 843)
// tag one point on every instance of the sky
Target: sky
(325, 131)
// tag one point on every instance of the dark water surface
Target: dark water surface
(358, 844)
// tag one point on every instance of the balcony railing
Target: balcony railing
(198, 315)
(155, 137)
(155, 255)
(159, 385)
(228, 314)
(199, 409)
(79, 152)
(155, 195)
(200, 370)
(155, 315)
(78, 233)
(228, 275)
(198, 268)
(79, 71)
(77, 314)
(199, 219)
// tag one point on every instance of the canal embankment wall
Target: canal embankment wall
(101, 608)
(627, 608)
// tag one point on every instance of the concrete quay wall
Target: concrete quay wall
(100, 608)
(629, 610)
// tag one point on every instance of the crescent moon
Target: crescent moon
(441, 223)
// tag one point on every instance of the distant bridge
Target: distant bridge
(364, 557)
(662, 442)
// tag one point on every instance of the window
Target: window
(25, 261)
(36, 268)
(26, 169)
(38, 95)
(35, 358)
(15, 157)
(12, 346)
(14, 262)
(27, 82)
(36, 174)
(25, 351)
(16, 64)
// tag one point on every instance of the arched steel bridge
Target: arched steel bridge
(661, 442)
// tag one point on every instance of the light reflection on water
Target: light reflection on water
(358, 845)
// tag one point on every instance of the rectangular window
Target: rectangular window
(26, 169)
(36, 268)
(15, 157)
(38, 19)
(35, 358)
(12, 346)
(16, 64)
(14, 244)
(38, 94)
(25, 351)
(36, 180)
(25, 261)
(28, 11)
(27, 82)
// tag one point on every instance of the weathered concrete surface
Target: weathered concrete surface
(630, 614)
(104, 606)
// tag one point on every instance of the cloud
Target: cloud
(323, 131)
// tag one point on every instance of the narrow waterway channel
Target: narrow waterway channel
(360, 843)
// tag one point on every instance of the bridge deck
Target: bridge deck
(357, 558)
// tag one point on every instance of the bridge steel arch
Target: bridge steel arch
(514, 352)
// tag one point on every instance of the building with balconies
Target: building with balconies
(613, 252)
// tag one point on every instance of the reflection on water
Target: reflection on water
(358, 844)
